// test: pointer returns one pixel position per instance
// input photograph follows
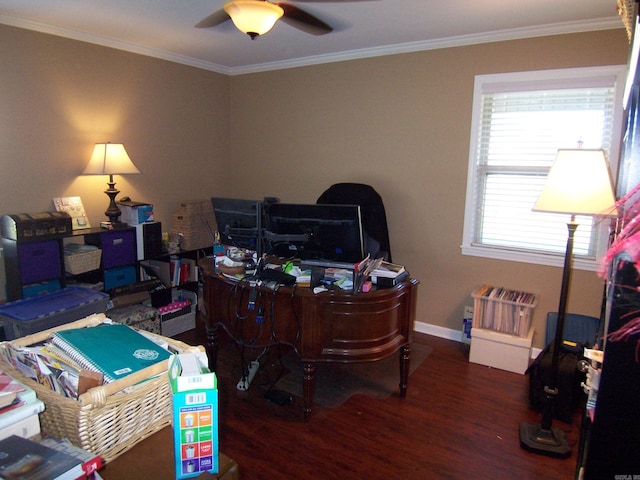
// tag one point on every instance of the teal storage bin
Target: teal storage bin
(120, 276)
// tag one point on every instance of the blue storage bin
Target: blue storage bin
(36, 289)
(31, 315)
(117, 277)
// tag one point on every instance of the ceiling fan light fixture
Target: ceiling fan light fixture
(253, 17)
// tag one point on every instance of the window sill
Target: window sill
(553, 260)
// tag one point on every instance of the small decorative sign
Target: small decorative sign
(73, 206)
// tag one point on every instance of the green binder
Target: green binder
(115, 350)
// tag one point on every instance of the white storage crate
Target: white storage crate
(501, 350)
(503, 310)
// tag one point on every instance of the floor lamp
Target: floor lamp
(579, 183)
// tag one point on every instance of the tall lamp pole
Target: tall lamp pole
(579, 183)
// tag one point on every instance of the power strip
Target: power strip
(245, 381)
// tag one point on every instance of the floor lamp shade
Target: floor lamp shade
(579, 183)
(110, 159)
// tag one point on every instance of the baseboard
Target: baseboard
(451, 334)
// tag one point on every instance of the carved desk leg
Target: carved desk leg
(405, 360)
(211, 345)
(308, 386)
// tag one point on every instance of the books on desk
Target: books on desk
(91, 463)
(24, 459)
(389, 274)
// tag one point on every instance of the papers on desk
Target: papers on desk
(388, 270)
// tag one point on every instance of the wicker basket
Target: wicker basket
(192, 207)
(82, 261)
(110, 419)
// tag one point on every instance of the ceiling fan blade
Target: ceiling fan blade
(216, 18)
(332, 1)
(302, 20)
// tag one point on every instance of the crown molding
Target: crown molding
(608, 23)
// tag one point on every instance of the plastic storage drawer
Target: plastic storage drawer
(31, 315)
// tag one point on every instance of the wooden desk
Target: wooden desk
(332, 326)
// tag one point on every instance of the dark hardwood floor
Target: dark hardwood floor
(459, 421)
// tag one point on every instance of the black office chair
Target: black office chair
(374, 218)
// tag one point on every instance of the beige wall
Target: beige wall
(58, 97)
(400, 123)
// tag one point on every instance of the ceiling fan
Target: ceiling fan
(257, 17)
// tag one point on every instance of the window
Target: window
(519, 122)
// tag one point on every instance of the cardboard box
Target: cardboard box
(501, 350)
(195, 415)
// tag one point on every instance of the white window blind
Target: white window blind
(519, 123)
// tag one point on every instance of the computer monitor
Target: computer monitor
(314, 232)
(239, 222)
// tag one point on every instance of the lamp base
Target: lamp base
(112, 212)
(552, 443)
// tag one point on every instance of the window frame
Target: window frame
(532, 81)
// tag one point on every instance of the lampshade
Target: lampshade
(579, 183)
(110, 159)
(253, 17)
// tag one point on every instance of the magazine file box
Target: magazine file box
(195, 415)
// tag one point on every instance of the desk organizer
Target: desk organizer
(110, 419)
(503, 310)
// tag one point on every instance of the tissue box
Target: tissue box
(195, 415)
(135, 213)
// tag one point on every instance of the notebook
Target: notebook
(115, 350)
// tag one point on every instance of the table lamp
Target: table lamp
(579, 183)
(110, 159)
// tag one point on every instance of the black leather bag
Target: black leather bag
(570, 393)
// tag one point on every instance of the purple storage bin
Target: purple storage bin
(118, 247)
(39, 261)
